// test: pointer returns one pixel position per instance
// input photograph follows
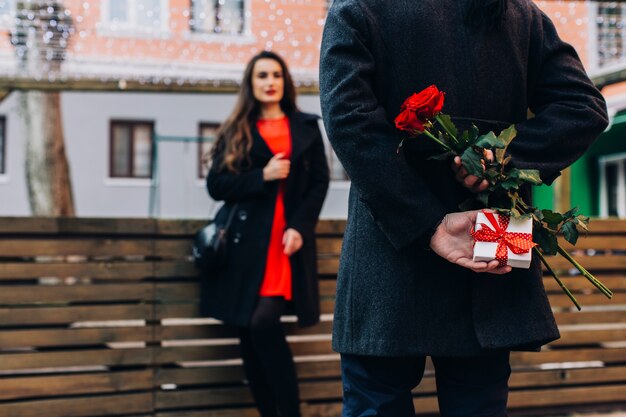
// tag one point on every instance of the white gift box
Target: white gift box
(486, 251)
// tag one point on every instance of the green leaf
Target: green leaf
(545, 239)
(507, 135)
(526, 175)
(583, 222)
(510, 184)
(552, 219)
(570, 233)
(570, 213)
(470, 136)
(490, 140)
(445, 120)
(472, 161)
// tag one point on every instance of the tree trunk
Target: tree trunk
(47, 168)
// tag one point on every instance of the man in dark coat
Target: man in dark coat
(397, 302)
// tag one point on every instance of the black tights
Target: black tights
(267, 361)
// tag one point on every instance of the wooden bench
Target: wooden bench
(98, 317)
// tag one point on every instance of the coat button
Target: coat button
(243, 215)
(237, 238)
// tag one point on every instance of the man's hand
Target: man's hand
(292, 241)
(453, 242)
(471, 182)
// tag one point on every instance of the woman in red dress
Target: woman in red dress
(269, 164)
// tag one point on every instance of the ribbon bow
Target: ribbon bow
(517, 242)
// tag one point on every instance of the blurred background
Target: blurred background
(109, 106)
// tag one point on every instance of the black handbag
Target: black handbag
(210, 245)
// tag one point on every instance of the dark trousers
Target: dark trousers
(268, 362)
(466, 386)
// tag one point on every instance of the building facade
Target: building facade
(138, 154)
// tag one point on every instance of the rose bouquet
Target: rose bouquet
(485, 156)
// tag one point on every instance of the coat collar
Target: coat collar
(300, 125)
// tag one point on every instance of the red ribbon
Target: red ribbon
(518, 242)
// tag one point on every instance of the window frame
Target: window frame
(6, 20)
(620, 161)
(201, 127)
(110, 28)
(3, 145)
(131, 124)
(595, 68)
(245, 23)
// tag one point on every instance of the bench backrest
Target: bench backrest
(99, 317)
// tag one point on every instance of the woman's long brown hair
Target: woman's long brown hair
(234, 138)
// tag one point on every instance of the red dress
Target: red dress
(277, 278)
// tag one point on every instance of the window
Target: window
(7, 11)
(217, 16)
(131, 149)
(135, 15)
(3, 145)
(613, 186)
(611, 33)
(207, 131)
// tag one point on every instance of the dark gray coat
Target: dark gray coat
(394, 298)
(231, 295)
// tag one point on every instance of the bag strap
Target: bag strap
(230, 216)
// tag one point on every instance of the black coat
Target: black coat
(393, 297)
(231, 295)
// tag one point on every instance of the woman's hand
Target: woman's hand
(292, 241)
(471, 182)
(277, 168)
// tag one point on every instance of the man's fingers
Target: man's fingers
(470, 181)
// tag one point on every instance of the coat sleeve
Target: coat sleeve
(228, 186)
(306, 215)
(569, 112)
(364, 140)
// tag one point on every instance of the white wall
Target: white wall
(86, 118)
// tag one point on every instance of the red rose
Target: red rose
(427, 103)
(408, 120)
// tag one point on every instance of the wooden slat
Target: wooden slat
(236, 412)
(329, 245)
(63, 315)
(75, 246)
(105, 405)
(97, 270)
(589, 336)
(201, 398)
(576, 284)
(591, 263)
(590, 317)
(567, 396)
(73, 384)
(27, 294)
(231, 351)
(536, 379)
(235, 374)
(587, 300)
(597, 242)
(219, 331)
(101, 226)
(108, 270)
(331, 227)
(179, 227)
(94, 357)
(73, 337)
(328, 266)
(608, 355)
